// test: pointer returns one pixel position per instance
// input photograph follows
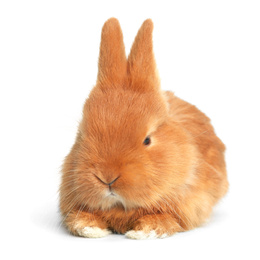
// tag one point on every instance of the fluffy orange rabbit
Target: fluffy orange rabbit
(145, 163)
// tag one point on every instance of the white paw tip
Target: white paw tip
(143, 235)
(93, 232)
(164, 235)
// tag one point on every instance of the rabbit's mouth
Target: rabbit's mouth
(112, 199)
(112, 194)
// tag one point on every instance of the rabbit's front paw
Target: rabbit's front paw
(86, 224)
(154, 226)
(140, 234)
(92, 232)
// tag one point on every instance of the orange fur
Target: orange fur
(166, 187)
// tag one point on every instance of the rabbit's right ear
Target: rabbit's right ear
(112, 66)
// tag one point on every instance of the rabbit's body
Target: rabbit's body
(145, 162)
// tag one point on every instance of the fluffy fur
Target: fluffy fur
(158, 189)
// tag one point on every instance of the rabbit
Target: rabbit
(145, 163)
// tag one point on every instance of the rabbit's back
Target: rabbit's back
(202, 134)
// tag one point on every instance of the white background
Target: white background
(208, 53)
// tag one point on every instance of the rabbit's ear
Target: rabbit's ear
(112, 66)
(142, 68)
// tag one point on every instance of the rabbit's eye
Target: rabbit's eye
(147, 140)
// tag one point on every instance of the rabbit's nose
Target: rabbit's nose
(110, 183)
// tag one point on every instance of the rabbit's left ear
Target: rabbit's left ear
(142, 70)
(112, 66)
